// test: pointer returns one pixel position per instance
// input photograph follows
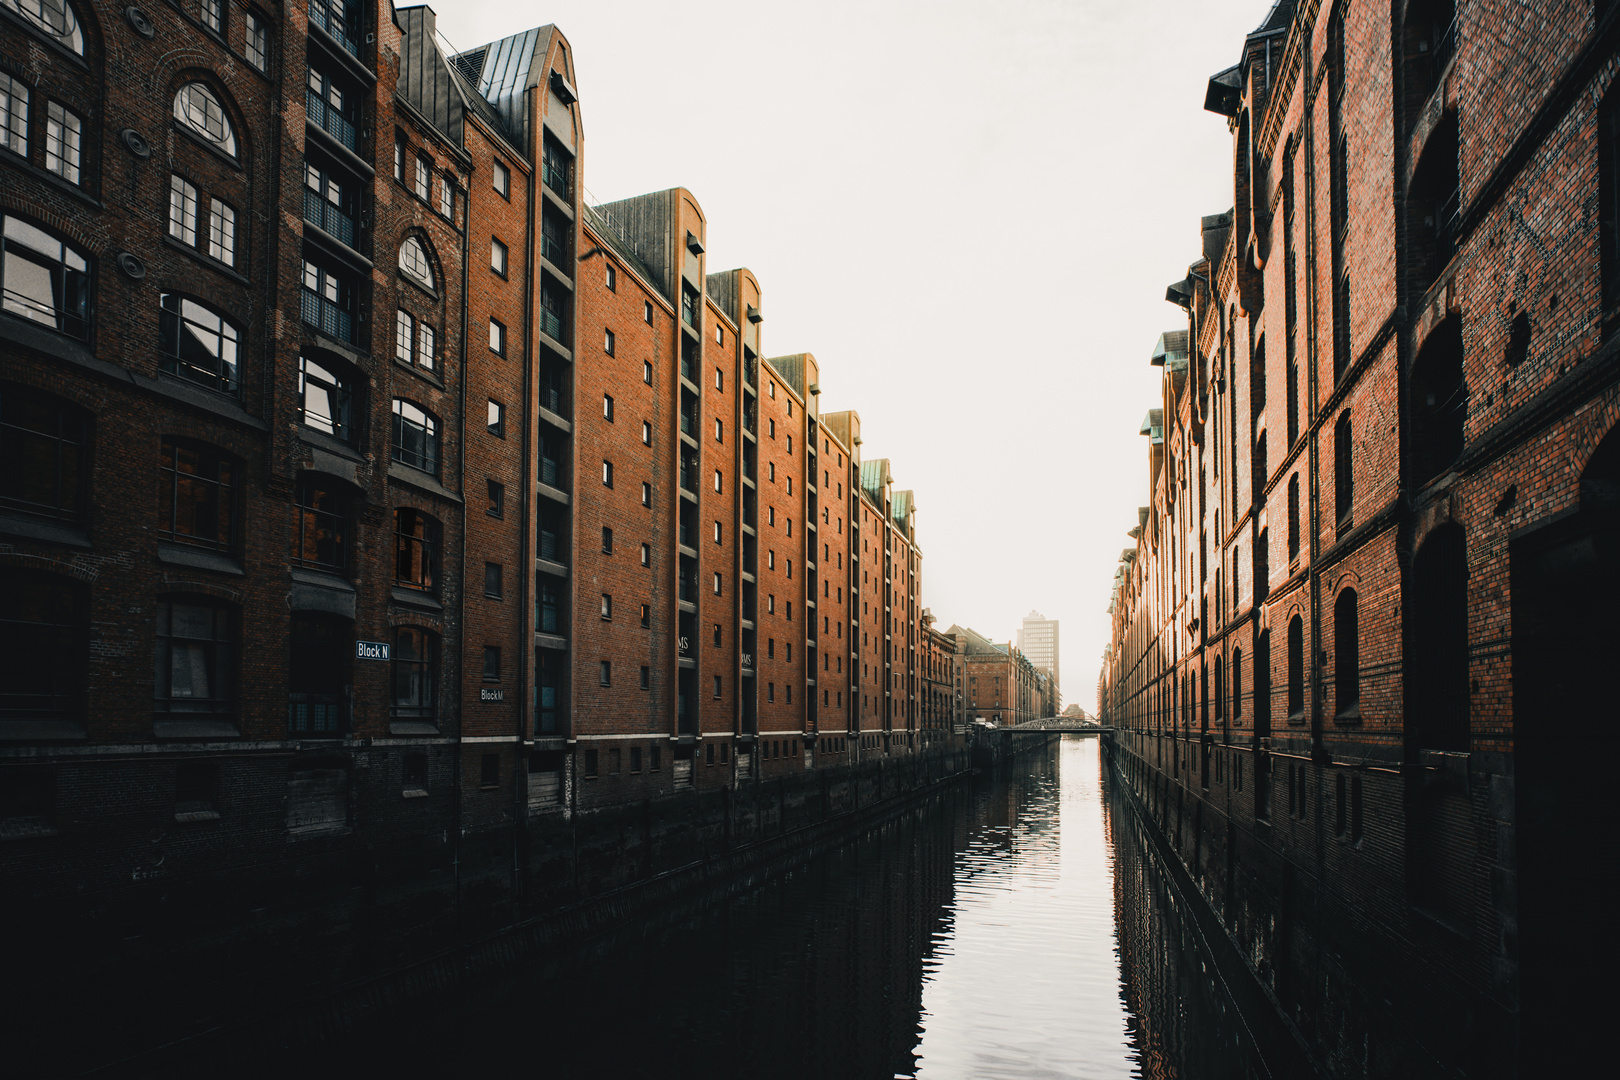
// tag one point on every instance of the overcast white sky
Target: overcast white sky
(968, 212)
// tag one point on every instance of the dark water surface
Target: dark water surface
(1006, 928)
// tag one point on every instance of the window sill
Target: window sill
(420, 372)
(315, 590)
(412, 727)
(51, 532)
(177, 389)
(197, 140)
(45, 176)
(1297, 719)
(346, 350)
(221, 268)
(197, 815)
(1350, 716)
(415, 598)
(330, 456)
(195, 729)
(309, 832)
(180, 555)
(420, 480)
(43, 731)
(413, 793)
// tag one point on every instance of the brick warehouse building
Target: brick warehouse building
(1357, 645)
(381, 357)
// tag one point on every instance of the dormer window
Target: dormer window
(54, 17)
(198, 109)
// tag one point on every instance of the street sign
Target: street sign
(371, 650)
(491, 695)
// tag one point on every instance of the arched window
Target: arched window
(416, 437)
(1439, 403)
(323, 524)
(196, 495)
(413, 261)
(1347, 656)
(1237, 683)
(416, 674)
(1220, 689)
(199, 109)
(1344, 474)
(44, 279)
(195, 639)
(416, 550)
(198, 343)
(326, 396)
(54, 17)
(1296, 670)
(45, 442)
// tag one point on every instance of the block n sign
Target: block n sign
(371, 650)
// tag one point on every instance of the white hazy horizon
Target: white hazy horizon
(968, 213)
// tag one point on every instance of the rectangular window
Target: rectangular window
(182, 211)
(717, 480)
(605, 676)
(717, 532)
(63, 142)
(716, 694)
(399, 158)
(719, 430)
(256, 42)
(501, 180)
(646, 312)
(447, 203)
(610, 277)
(497, 256)
(492, 580)
(646, 433)
(213, 15)
(197, 496)
(426, 346)
(646, 612)
(489, 771)
(607, 606)
(646, 372)
(717, 584)
(608, 342)
(646, 684)
(423, 174)
(497, 419)
(497, 337)
(646, 554)
(607, 540)
(222, 232)
(497, 499)
(13, 115)
(404, 336)
(646, 493)
(719, 380)
(607, 407)
(607, 474)
(492, 663)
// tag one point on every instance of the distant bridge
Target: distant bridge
(1066, 725)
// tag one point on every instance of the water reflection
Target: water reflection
(1008, 928)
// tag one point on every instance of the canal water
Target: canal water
(1004, 928)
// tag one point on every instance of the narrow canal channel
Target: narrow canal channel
(1007, 928)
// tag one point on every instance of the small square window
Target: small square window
(770, 691)
(606, 674)
(607, 606)
(646, 684)
(771, 470)
(608, 342)
(646, 433)
(772, 427)
(497, 499)
(646, 493)
(416, 772)
(489, 772)
(719, 334)
(646, 615)
(610, 277)
(497, 337)
(770, 388)
(607, 540)
(770, 603)
(492, 663)
(607, 474)
(607, 407)
(501, 180)
(497, 419)
(497, 256)
(646, 372)
(492, 580)
(646, 311)
(646, 554)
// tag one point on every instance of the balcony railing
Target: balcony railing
(550, 473)
(315, 714)
(553, 248)
(551, 546)
(1444, 46)
(750, 369)
(338, 20)
(554, 174)
(321, 212)
(328, 119)
(323, 314)
(551, 324)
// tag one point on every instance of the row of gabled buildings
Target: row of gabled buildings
(371, 491)
(1358, 643)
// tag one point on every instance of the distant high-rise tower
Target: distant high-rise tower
(1038, 640)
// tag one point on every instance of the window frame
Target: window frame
(223, 495)
(216, 652)
(225, 378)
(418, 676)
(427, 459)
(67, 470)
(185, 115)
(309, 517)
(340, 392)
